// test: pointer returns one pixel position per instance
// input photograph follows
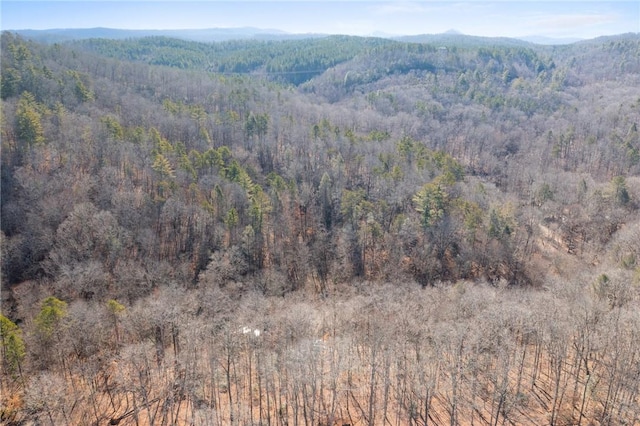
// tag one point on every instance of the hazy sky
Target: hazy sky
(573, 18)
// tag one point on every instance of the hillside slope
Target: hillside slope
(419, 233)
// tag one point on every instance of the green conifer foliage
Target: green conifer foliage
(13, 349)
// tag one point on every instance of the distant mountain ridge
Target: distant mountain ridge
(202, 35)
(550, 40)
(452, 36)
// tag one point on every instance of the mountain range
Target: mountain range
(224, 34)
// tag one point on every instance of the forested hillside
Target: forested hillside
(338, 230)
(291, 61)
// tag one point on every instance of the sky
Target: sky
(498, 18)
